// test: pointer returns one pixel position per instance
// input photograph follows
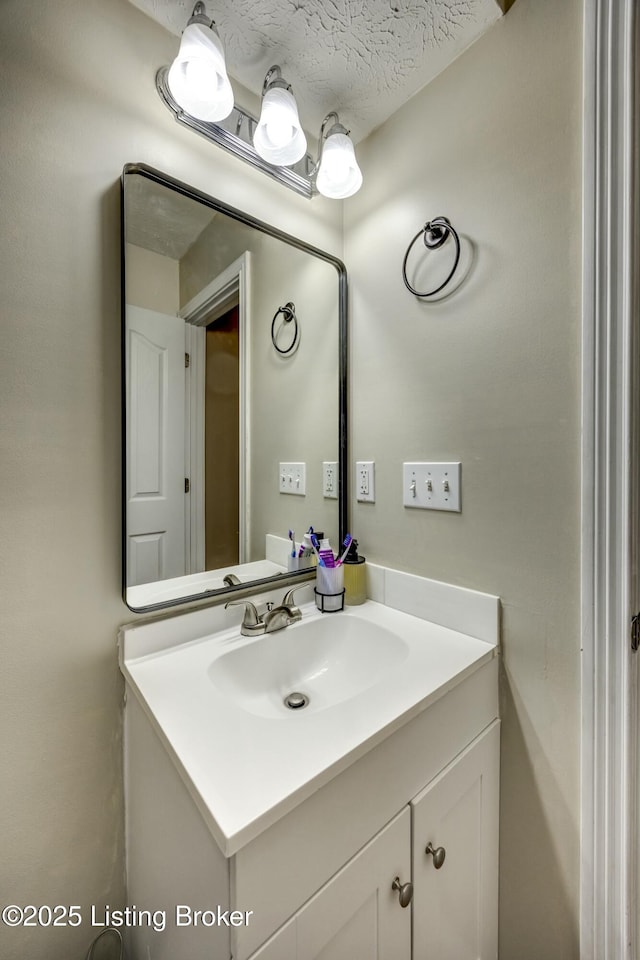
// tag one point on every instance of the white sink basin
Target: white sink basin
(328, 660)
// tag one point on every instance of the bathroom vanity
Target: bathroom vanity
(364, 825)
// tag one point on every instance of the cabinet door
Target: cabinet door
(455, 910)
(281, 946)
(356, 914)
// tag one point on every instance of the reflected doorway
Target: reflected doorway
(217, 461)
(221, 440)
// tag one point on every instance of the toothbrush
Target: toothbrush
(314, 543)
(346, 543)
(292, 537)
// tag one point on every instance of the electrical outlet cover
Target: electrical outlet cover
(365, 481)
(330, 480)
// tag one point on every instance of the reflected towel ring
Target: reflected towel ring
(288, 314)
(107, 932)
(434, 233)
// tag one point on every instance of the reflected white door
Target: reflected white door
(155, 437)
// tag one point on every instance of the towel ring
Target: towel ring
(288, 314)
(434, 233)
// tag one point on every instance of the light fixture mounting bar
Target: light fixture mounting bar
(235, 135)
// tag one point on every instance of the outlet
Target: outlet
(330, 480)
(431, 486)
(365, 485)
(292, 478)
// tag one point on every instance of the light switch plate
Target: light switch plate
(330, 480)
(292, 478)
(431, 486)
(365, 481)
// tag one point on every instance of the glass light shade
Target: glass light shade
(279, 138)
(339, 175)
(198, 76)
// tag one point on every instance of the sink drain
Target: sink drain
(296, 701)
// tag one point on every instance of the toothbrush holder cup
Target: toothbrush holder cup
(329, 589)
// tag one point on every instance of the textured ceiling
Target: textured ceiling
(363, 58)
(162, 220)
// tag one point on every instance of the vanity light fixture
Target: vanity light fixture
(337, 172)
(198, 78)
(196, 89)
(279, 137)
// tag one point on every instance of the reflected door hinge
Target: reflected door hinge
(187, 485)
(187, 360)
(635, 632)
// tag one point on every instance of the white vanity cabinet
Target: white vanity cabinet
(255, 833)
(358, 914)
(318, 880)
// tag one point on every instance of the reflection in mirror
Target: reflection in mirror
(233, 365)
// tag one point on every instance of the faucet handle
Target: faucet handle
(251, 617)
(287, 600)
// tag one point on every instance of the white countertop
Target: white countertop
(244, 769)
(192, 587)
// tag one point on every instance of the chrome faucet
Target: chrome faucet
(273, 618)
(284, 614)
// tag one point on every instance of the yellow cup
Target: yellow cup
(355, 582)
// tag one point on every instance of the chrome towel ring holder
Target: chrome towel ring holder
(288, 314)
(435, 233)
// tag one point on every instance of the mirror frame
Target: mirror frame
(284, 579)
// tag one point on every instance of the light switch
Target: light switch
(431, 486)
(292, 478)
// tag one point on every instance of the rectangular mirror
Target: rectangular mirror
(234, 374)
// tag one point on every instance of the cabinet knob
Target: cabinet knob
(438, 854)
(405, 891)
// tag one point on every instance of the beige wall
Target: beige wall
(490, 376)
(78, 102)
